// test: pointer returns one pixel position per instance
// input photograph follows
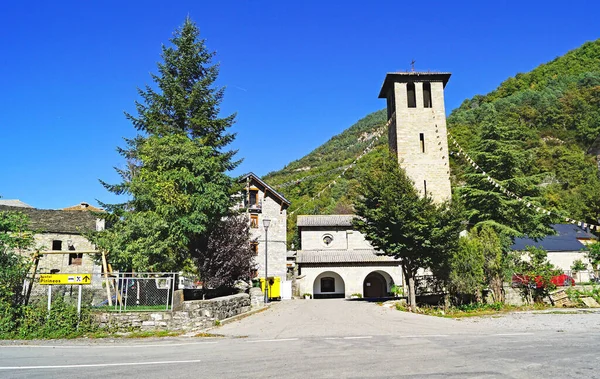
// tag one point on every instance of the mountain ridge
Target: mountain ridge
(556, 106)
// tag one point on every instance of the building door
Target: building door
(374, 285)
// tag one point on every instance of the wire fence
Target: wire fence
(118, 292)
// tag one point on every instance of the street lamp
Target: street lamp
(266, 223)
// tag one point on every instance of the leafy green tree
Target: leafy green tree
(497, 263)
(467, 279)
(480, 262)
(175, 179)
(401, 223)
(14, 236)
(593, 254)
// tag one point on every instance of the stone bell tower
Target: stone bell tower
(417, 134)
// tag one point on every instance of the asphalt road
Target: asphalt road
(328, 340)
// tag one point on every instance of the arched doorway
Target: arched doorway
(375, 285)
(328, 285)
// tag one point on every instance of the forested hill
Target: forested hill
(541, 122)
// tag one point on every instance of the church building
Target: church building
(337, 261)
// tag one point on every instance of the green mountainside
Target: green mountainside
(554, 110)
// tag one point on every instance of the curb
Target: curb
(244, 315)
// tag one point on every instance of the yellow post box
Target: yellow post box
(274, 287)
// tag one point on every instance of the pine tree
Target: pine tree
(504, 152)
(176, 177)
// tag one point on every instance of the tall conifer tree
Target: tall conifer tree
(176, 177)
(507, 155)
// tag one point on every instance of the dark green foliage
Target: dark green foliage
(176, 177)
(593, 254)
(34, 322)
(14, 236)
(467, 278)
(479, 262)
(401, 223)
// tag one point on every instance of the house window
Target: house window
(327, 239)
(427, 95)
(254, 221)
(75, 259)
(411, 96)
(56, 245)
(327, 285)
(425, 187)
(422, 142)
(254, 247)
(253, 198)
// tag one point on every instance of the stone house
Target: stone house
(261, 202)
(62, 230)
(337, 261)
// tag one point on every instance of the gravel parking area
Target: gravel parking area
(557, 320)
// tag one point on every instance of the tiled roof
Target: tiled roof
(262, 182)
(342, 256)
(566, 239)
(83, 206)
(56, 221)
(14, 203)
(325, 220)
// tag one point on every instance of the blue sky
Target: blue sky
(296, 73)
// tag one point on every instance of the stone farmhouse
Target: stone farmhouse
(62, 230)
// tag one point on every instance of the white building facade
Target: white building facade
(338, 262)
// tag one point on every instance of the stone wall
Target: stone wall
(195, 314)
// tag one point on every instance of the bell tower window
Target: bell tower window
(427, 95)
(411, 95)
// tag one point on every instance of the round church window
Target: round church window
(327, 239)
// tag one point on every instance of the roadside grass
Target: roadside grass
(473, 310)
(208, 335)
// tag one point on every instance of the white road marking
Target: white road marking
(275, 340)
(107, 346)
(512, 334)
(357, 337)
(425, 336)
(98, 365)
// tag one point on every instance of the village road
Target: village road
(331, 339)
(339, 318)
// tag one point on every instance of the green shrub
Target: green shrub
(34, 321)
(397, 290)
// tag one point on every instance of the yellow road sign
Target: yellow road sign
(75, 279)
